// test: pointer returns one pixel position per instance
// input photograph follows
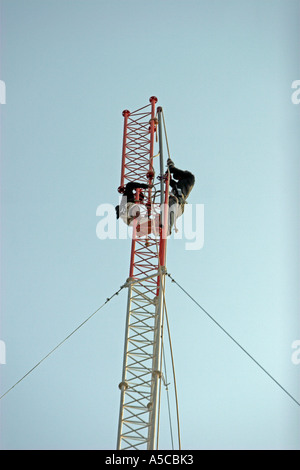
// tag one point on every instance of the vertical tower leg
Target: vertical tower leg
(156, 372)
(124, 385)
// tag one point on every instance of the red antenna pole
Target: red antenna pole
(153, 101)
(126, 114)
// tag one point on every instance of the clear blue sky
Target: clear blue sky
(222, 71)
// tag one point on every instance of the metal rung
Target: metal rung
(136, 407)
(124, 436)
(146, 425)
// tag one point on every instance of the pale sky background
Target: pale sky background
(222, 71)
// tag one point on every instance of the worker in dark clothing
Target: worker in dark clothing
(128, 210)
(180, 191)
(181, 182)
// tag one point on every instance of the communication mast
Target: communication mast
(142, 373)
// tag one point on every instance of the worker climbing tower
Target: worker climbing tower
(146, 283)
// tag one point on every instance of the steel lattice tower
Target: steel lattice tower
(143, 332)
